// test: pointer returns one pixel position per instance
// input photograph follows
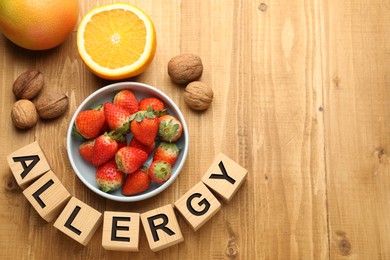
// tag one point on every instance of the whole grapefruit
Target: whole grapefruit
(38, 24)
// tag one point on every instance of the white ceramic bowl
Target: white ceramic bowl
(86, 172)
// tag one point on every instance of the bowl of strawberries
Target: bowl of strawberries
(127, 141)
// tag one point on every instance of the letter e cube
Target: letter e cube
(121, 231)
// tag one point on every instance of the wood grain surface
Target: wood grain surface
(302, 101)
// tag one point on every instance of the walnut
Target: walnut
(24, 114)
(185, 68)
(28, 84)
(198, 95)
(52, 105)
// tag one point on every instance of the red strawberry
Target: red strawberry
(166, 152)
(160, 171)
(135, 143)
(137, 182)
(127, 100)
(130, 159)
(89, 123)
(144, 126)
(156, 104)
(105, 148)
(169, 129)
(108, 177)
(117, 117)
(86, 150)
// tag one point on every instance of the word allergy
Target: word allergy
(53, 202)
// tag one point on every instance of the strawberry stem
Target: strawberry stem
(99, 107)
(117, 136)
(141, 115)
(105, 188)
(168, 130)
(76, 133)
(162, 170)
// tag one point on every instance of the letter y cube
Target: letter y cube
(225, 177)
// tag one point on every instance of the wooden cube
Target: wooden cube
(225, 177)
(161, 228)
(121, 231)
(198, 205)
(79, 221)
(48, 196)
(27, 164)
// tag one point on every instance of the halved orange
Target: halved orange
(116, 41)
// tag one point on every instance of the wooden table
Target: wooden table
(301, 101)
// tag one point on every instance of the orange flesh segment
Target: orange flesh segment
(124, 39)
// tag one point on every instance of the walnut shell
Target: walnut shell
(28, 84)
(24, 114)
(185, 68)
(198, 95)
(52, 105)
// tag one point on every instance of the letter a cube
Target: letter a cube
(225, 177)
(27, 164)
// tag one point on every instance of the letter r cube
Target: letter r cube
(161, 227)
